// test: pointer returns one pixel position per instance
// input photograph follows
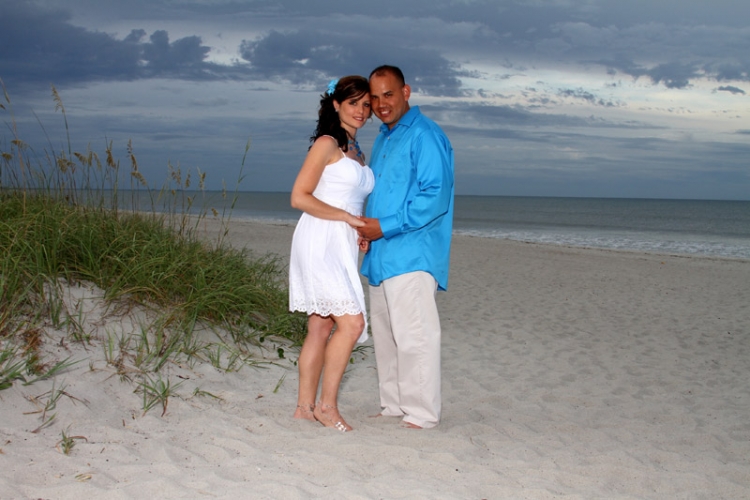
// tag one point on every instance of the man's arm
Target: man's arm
(432, 155)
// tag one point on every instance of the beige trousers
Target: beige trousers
(406, 333)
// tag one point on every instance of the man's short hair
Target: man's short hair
(386, 69)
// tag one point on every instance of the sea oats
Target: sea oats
(131, 155)
(136, 174)
(58, 101)
(85, 160)
(110, 159)
(63, 164)
(136, 258)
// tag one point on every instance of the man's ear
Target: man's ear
(407, 91)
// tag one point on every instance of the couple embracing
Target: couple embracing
(405, 234)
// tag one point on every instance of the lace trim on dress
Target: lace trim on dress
(337, 300)
(326, 307)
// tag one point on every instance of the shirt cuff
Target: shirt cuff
(389, 226)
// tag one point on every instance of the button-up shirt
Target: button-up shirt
(412, 199)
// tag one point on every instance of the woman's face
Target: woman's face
(353, 112)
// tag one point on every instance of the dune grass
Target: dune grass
(62, 223)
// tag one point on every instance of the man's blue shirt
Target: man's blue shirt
(412, 199)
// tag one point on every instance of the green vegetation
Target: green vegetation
(61, 224)
(68, 442)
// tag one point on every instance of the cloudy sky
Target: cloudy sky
(603, 98)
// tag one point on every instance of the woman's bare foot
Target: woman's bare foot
(305, 412)
(329, 416)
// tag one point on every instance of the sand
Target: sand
(567, 373)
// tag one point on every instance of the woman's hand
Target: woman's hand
(354, 221)
(363, 245)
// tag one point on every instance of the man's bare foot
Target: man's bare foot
(389, 416)
(409, 425)
(305, 412)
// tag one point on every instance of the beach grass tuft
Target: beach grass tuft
(68, 442)
(65, 220)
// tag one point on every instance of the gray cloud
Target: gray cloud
(524, 32)
(731, 89)
(587, 96)
(478, 116)
(42, 47)
(565, 97)
(46, 48)
(310, 56)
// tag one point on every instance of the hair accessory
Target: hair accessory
(332, 87)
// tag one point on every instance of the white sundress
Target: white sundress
(323, 267)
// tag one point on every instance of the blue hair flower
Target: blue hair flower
(332, 87)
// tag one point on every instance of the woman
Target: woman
(323, 278)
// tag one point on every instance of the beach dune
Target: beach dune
(567, 373)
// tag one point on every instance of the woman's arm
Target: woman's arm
(323, 152)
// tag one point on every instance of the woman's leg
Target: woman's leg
(337, 355)
(310, 363)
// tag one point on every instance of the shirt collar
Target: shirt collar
(405, 120)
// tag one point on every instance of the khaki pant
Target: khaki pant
(406, 333)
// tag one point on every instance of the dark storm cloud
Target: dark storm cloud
(179, 57)
(671, 42)
(42, 47)
(673, 75)
(560, 100)
(672, 55)
(45, 48)
(308, 56)
(671, 47)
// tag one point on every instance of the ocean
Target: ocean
(684, 227)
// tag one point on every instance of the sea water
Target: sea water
(691, 227)
(699, 227)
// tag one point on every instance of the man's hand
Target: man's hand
(371, 230)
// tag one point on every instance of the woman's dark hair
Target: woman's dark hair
(328, 119)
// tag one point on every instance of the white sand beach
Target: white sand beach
(567, 373)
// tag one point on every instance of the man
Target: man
(409, 222)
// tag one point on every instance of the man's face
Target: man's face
(389, 99)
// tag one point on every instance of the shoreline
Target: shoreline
(567, 372)
(291, 224)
